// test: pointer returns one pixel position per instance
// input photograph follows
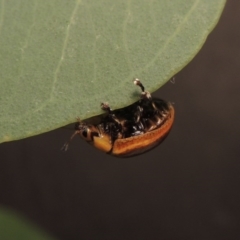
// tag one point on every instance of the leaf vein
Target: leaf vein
(65, 42)
(2, 14)
(168, 41)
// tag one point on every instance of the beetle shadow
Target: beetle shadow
(136, 94)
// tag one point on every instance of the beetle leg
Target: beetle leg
(112, 116)
(137, 82)
(116, 125)
(138, 114)
(138, 118)
(106, 107)
(145, 94)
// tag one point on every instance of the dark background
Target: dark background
(187, 188)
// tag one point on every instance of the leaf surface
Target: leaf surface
(60, 59)
(16, 227)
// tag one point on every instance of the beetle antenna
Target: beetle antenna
(66, 145)
(144, 94)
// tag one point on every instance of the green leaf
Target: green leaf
(60, 59)
(13, 227)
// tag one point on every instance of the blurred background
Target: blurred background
(187, 188)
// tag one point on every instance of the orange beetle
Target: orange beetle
(131, 130)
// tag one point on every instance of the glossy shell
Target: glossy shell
(135, 129)
(139, 144)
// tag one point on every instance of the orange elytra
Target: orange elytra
(131, 130)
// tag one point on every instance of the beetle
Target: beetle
(131, 130)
